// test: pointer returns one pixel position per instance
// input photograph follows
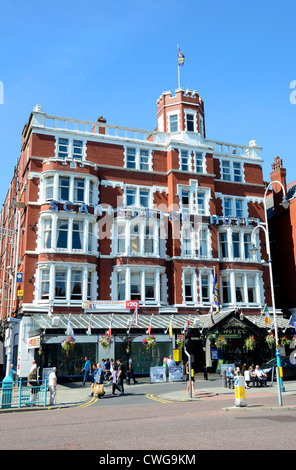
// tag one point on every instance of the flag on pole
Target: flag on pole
(181, 57)
(89, 327)
(266, 315)
(110, 326)
(186, 326)
(50, 309)
(216, 293)
(171, 329)
(212, 314)
(292, 323)
(136, 315)
(69, 331)
(149, 327)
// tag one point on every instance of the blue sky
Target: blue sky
(83, 59)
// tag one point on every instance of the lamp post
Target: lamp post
(285, 203)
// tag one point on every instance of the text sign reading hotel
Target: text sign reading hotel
(114, 305)
(134, 212)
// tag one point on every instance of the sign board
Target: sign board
(19, 277)
(214, 354)
(157, 374)
(176, 374)
(110, 304)
(20, 294)
(225, 367)
(34, 342)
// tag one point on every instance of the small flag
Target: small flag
(171, 329)
(136, 315)
(181, 57)
(266, 314)
(110, 326)
(186, 326)
(212, 314)
(216, 291)
(149, 327)
(50, 309)
(89, 328)
(69, 331)
(292, 323)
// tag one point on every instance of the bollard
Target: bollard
(239, 390)
(7, 385)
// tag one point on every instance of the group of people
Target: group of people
(256, 376)
(108, 371)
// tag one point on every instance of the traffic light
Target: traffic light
(188, 342)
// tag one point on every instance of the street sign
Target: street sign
(19, 277)
(20, 294)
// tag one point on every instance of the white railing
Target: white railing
(50, 122)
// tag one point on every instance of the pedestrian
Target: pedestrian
(120, 376)
(238, 372)
(32, 380)
(188, 381)
(87, 371)
(52, 385)
(114, 384)
(260, 376)
(131, 370)
(12, 372)
(171, 362)
(98, 377)
(107, 369)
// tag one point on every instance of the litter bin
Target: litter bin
(7, 385)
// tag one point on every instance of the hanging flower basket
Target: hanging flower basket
(285, 341)
(149, 342)
(270, 340)
(68, 344)
(106, 341)
(250, 343)
(180, 341)
(221, 342)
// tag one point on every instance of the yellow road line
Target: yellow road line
(89, 403)
(161, 400)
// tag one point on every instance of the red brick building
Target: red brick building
(116, 214)
(282, 225)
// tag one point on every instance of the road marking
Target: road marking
(89, 403)
(161, 400)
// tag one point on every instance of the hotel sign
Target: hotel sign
(134, 212)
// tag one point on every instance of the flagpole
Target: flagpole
(179, 86)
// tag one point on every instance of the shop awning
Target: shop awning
(101, 321)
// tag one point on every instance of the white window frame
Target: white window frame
(138, 190)
(70, 154)
(129, 235)
(88, 274)
(160, 281)
(138, 156)
(233, 276)
(232, 177)
(89, 192)
(88, 238)
(242, 231)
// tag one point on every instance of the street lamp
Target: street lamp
(285, 203)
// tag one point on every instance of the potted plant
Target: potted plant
(270, 340)
(106, 341)
(285, 341)
(250, 343)
(180, 341)
(221, 342)
(149, 342)
(68, 344)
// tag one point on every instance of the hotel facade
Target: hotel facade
(100, 218)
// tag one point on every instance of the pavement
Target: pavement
(74, 394)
